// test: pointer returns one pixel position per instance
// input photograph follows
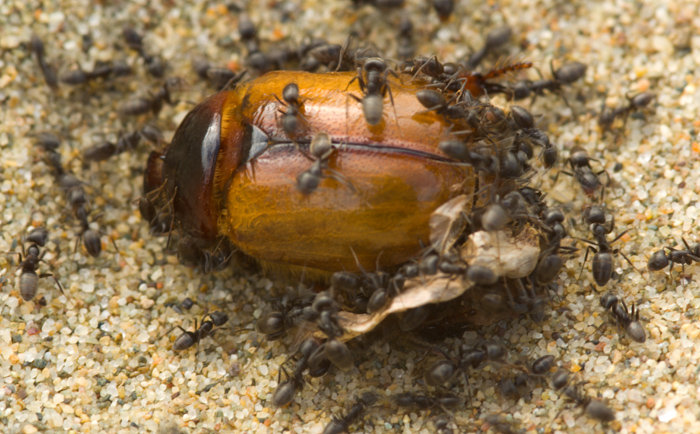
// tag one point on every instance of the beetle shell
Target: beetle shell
(231, 170)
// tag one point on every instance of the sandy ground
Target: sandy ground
(84, 362)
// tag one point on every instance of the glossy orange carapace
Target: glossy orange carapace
(231, 170)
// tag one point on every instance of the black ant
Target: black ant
(524, 120)
(430, 67)
(603, 257)
(480, 161)
(607, 116)
(542, 365)
(582, 171)
(550, 262)
(567, 74)
(47, 70)
(154, 103)
(435, 101)
(191, 252)
(290, 118)
(29, 262)
(312, 358)
(339, 425)
(104, 150)
(206, 328)
(445, 402)
(443, 370)
(154, 64)
(282, 318)
(321, 149)
(500, 424)
(102, 70)
(221, 78)
(372, 78)
(494, 39)
(560, 379)
(626, 319)
(444, 8)
(660, 259)
(593, 407)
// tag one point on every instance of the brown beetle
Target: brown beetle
(231, 171)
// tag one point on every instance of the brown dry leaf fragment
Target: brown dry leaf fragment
(447, 223)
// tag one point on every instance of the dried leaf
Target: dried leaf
(447, 223)
(512, 257)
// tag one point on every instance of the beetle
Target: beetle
(231, 171)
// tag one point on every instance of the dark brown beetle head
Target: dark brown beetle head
(179, 181)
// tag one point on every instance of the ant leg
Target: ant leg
(556, 177)
(396, 116)
(157, 338)
(343, 50)
(60, 287)
(588, 249)
(230, 85)
(606, 174)
(359, 79)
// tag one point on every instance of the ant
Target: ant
(284, 316)
(550, 261)
(542, 365)
(512, 207)
(102, 70)
(459, 150)
(494, 39)
(104, 150)
(312, 359)
(76, 196)
(339, 425)
(444, 8)
(526, 300)
(206, 328)
(424, 402)
(560, 379)
(500, 424)
(90, 237)
(580, 164)
(602, 259)
(430, 67)
(524, 120)
(47, 70)
(154, 64)
(443, 370)
(323, 310)
(660, 259)
(29, 262)
(636, 102)
(372, 78)
(627, 319)
(567, 74)
(154, 103)
(274, 325)
(290, 118)
(220, 77)
(321, 149)
(593, 407)
(380, 287)
(435, 101)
